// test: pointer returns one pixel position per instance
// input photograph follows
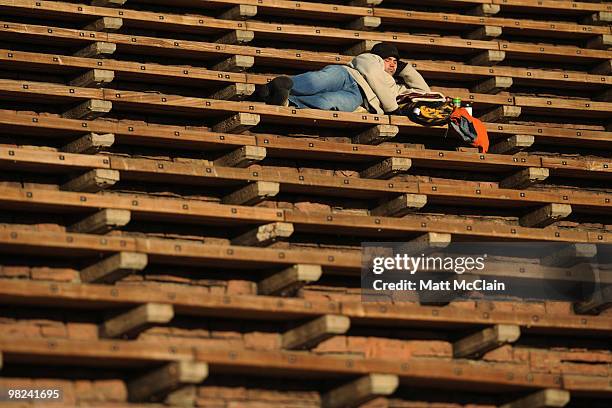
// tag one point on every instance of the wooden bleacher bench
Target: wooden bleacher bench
(190, 211)
(291, 182)
(164, 74)
(574, 9)
(452, 374)
(339, 14)
(135, 133)
(197, 302)
(182, 138)
(407, 42)
(216, 110)
(167, 242)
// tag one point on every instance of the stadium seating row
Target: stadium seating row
(191, 211)
(464, 48)
(205, 173)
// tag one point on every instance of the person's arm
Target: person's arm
(372, 68)
(412, 78)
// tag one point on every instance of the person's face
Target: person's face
(390, 65)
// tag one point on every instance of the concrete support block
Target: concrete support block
(235, 63)
(525, 178)
(600, 18)
(242, 157)
(484, 33)
(105, 24)
(361, 47)
(364, 23)
(252, 193)
(234, 92)
(501, 114)
(488, 58)
(137, 320)
(89, 110)
(309, 335)
(289, 280)
(387, 168)
(94, 78)
(114, 267)
(102, 222)
(97, 50)
(360, 391)
(493, 85)
(91, 143)
(93, 181)
(237, 37)
(400, 206)
(513, 144)
(238, 123)
(376, 134)
(239, 12)
(486, 340)
(602, 42)
(546, 215)
(485, 10)
(162, 381)
(265, 235)
(548, 398)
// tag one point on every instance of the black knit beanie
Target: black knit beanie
(385, 50)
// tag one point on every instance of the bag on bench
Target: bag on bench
(431, 109)
(434, 109)
(469, 129)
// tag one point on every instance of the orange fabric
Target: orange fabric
(482, 137)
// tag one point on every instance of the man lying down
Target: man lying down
(375, 80)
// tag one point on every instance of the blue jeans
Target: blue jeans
(331, 88)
